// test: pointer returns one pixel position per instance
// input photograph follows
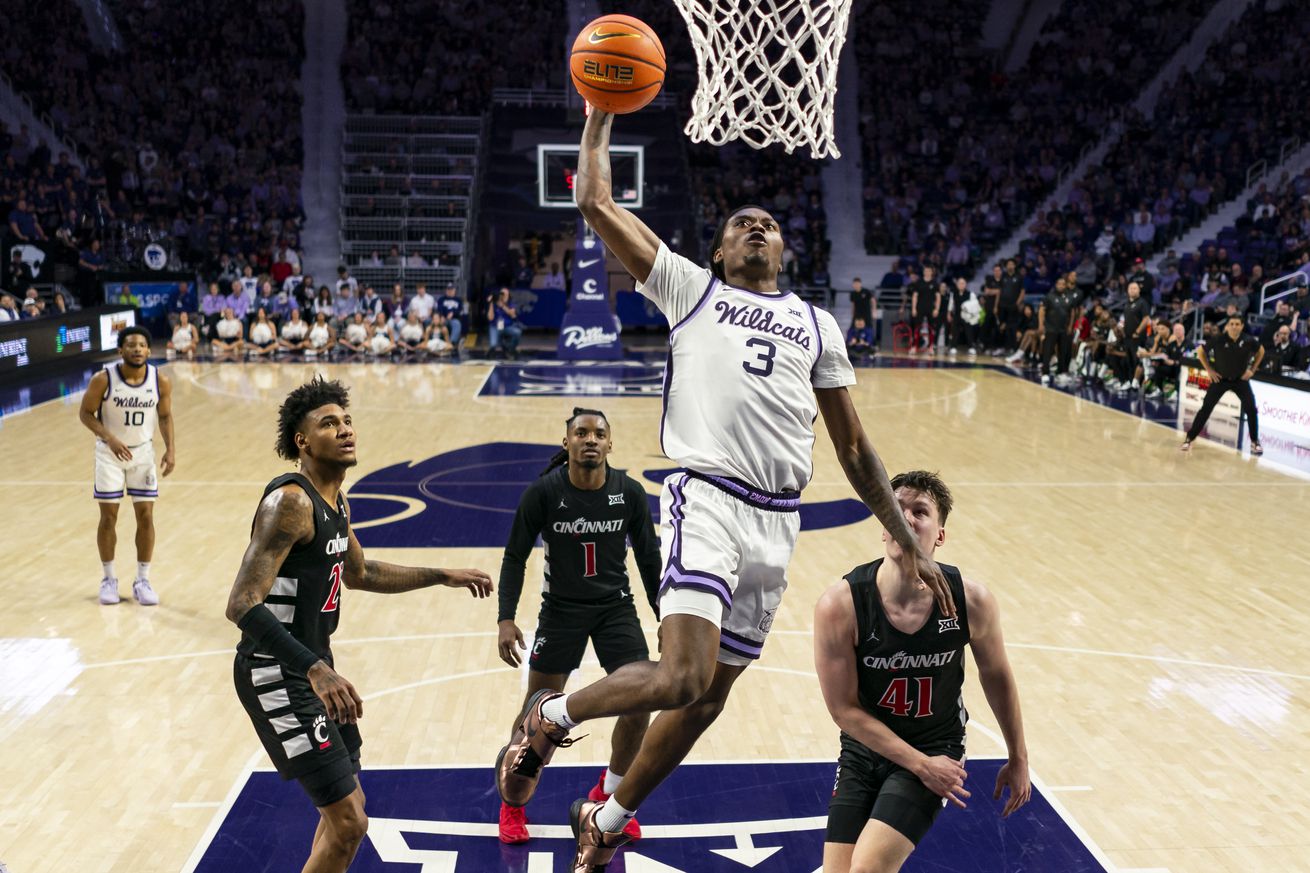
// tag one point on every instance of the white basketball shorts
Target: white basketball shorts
(726, 546)
(136, 478)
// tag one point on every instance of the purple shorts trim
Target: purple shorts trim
(786, 501)
(739, 644)
(675, 576)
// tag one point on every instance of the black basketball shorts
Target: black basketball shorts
(869, 787)
(563, 628)
(301, 741)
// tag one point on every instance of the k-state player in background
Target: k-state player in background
(585, 512)
(750, 368)
(891, 666)
(287, 600)
(121, 407)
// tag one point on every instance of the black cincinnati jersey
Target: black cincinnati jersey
(306, 596)
(913, 683)
(585, 534)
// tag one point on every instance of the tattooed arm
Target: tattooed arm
(285, 518)
(867, 476)
(383, 578)
(626, 235)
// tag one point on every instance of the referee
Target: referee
(585, 512)
(1229, 359)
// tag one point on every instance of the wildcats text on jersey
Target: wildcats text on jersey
(759, 319)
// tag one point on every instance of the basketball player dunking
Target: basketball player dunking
(287, 600)
(749, 369)
(891, 665)
(585, 512)
(121, 406)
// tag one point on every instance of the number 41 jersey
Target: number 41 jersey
(741, 373)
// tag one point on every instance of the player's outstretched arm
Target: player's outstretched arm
(997, 680)
(383, 578)
(626, 235)
(865, 471)
(834, 662)
(285, 518)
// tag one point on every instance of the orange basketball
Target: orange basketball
(617, 63)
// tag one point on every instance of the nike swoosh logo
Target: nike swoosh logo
(597, 36)
(588, 263)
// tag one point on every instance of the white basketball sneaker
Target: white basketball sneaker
(144, 594)
(109, 591)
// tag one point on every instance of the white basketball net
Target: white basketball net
(768, 71)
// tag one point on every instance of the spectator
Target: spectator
(261, 336)
(397, 302)
(346, 305)
(228, 340)
(859, 340)
(554, 279)
(322, 338)
(354, 335)
(185, 340)
(503, 331)
(236, 300)
(9, 308)
(393, 258)
(381, 341)
(412, 334)
(422, 304)
(451, 307)
(370, 303)
(211, 308)
(1283, 355)
(523, 274)
(294, 335)
(1283, 317)
(23, 225)
(345, 280)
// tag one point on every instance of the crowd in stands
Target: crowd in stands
(444, 57)
(958, 152)
(190, 135)
(254, 316)
(1171, 171)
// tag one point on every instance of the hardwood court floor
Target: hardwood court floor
(1153, 605)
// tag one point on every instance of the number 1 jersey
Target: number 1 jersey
(741, 373)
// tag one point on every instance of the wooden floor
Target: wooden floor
(1154, 606)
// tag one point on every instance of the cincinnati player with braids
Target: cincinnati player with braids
(585, 512)
(891, 666)
(287, 600)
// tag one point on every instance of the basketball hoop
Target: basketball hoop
(768, 71)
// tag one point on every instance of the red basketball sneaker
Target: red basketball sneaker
(598, 795)
(513, 824)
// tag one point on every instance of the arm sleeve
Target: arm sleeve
(271, 636)
(833, 368)
(675, 285)
(645, 543)
(528, 522)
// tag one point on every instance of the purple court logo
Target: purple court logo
(467, 498)
(768, 817)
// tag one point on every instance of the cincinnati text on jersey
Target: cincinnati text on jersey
(582, 526)
(902, 661)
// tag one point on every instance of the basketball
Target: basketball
(617, 64)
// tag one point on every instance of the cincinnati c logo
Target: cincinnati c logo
(598, 37)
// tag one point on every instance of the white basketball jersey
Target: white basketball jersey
(741, 373)
(128, 412)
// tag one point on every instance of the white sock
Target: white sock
(613, 818)
(612, 781)
(556, 709)
(143, 569)
(109, 569)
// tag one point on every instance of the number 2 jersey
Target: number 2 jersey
(912, 683)
(741, 373)
(306, 596)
